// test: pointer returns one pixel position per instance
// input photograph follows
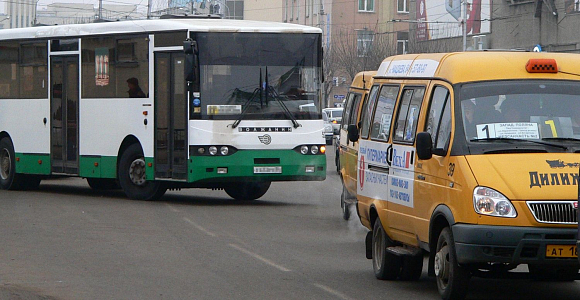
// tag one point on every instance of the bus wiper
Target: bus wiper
(561, 139)
(246, 106)
(287, 112)
(518, 140)
(257, 92)
(277, 97)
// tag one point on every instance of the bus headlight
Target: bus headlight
(224, 150)
(314, 149)
(304, 149)
(490, 202)
(213, 150)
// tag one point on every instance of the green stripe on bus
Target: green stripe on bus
(98, 166)
(33, 163)
(241, 164)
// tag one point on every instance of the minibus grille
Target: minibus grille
(555, 212)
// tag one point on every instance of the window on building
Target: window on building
(572, 6)
(364, 42)
(308, 9)
(402, 6)
(366, 5)
(402, 46)
(292, 10)
(286, 10)
(235, 9)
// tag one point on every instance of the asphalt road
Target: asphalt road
(66, 241)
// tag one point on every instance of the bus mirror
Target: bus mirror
(190, 50)
(424, 146)
(352, 133)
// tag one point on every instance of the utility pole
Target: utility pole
(148, 9)
(464, 24)
(101, 10)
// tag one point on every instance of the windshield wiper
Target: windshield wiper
(561, 139)
(277, 97)
(257, 92)
(503, 139)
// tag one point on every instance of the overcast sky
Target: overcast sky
(142, 4)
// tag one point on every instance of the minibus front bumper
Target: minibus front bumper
(515, 245)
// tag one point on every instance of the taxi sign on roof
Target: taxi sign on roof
(408, 68)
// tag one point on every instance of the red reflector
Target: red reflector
(18, 159)
(40, 162)
(145, 113)
(150, 165)
(96, 164)
(542, 65)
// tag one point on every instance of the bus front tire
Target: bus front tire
(247, 190)
(9, 180)
(386, 265)
(131, 174)
(452, 279)
(102, 184)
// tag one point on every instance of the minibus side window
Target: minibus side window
(355, 109)
(348, 107)
(408, 116)
(367, 113)
(439, 119)
(384, 113)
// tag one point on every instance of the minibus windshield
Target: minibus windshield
(531, 110)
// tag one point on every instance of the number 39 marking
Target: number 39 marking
(451, 169)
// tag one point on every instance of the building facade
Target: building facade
(548, 25)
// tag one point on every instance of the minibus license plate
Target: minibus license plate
(561, 251)
(267, 170)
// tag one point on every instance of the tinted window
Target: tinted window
(170, 39)
(408, 115)
(439, 117)
(368, 111)
(355, 110)
(110, 63)
(33, 70)
(9, 70)
(384, 113)
(347, 110)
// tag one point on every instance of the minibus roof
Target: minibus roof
(479, 66)
(363, 80)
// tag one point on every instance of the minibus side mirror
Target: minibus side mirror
(424, 146)
(352, 133)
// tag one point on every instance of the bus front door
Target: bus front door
(170, 116)
(64, 106)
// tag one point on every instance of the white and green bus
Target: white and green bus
(153, 105)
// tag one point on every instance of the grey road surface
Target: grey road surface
(65, 241)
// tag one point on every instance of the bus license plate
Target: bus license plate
(561, 251)
(267, 170)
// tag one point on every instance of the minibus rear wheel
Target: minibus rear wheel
(344, 204)
(386, 265)
(452, 279)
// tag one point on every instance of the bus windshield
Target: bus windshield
(259, 73)
(516, 110)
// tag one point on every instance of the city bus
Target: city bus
(151, 105)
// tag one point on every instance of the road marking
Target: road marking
(332, 291)
(258, 257)
(199, 227)
(173, 209)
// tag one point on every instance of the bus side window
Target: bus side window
(384, 113)
(439, 119)
(408, 115)
(347, 109)
(367, 113)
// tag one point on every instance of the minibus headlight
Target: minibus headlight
(490, 202)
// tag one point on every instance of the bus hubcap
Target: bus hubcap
(137, 172)
(5, 164)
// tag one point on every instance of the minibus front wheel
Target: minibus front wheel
(452, 279)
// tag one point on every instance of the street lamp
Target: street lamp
(2, 20)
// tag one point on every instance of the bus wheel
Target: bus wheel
(102, 184)
(344, 204)
(9, 180)
(386, 265)
(247, 190)
(452, 279)
(553, 273)
(132, 179)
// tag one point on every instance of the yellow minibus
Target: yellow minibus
(473, 159)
